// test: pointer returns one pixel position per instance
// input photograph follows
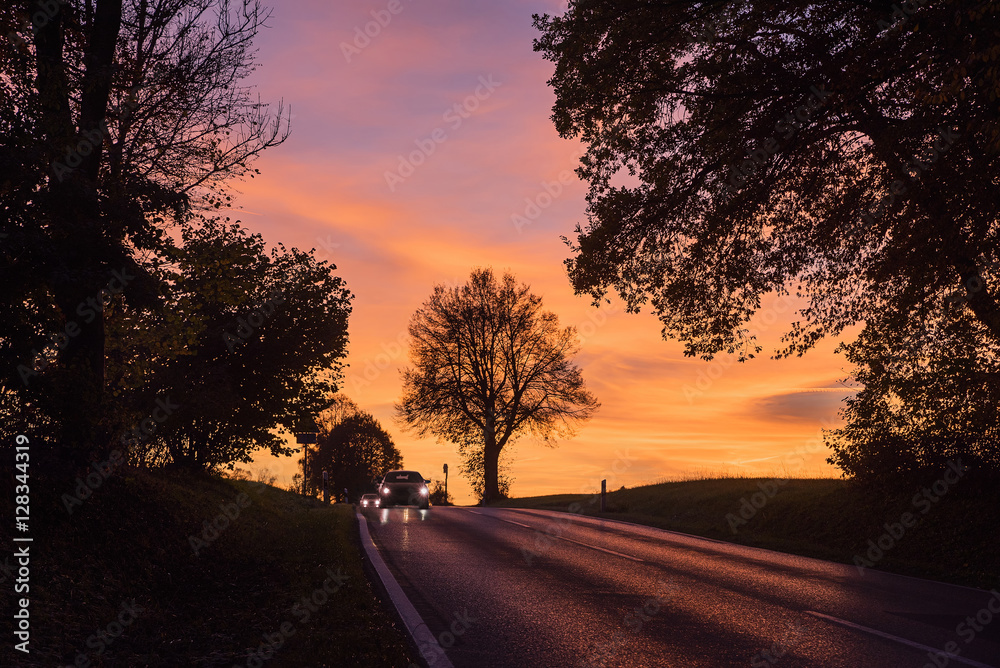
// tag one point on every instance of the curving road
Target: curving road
(504, 588)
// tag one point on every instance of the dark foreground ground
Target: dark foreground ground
(172, 569)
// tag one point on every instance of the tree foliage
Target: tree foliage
(844, 151)
(490, 365)
(117, 119)
(438, 495)
(264, 336)
(354, 451)
(924, 400)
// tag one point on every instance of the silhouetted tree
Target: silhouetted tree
(116, 118)
(354, 452)
(473, 467)
(339, 407)
(438, 496)
(921, 404)
(253, 341)
(489, 366)
(843, 152)
(847, 152)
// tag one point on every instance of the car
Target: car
(370, 501)
(406, 488)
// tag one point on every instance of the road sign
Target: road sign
(305, 438)
(445, 468)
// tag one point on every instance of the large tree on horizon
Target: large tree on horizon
(491, 365)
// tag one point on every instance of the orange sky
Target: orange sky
(453, 91)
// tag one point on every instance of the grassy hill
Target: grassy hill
(954, 539)
(171, 569)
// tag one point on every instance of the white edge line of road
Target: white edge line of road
(570, 540)
(904, 641)
(415, 625)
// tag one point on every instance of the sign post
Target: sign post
(446, 483)
(326, 494)
(604, 491)
(304, 438)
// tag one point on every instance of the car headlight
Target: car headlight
(377, 501)
(364, 503)
(423, 491)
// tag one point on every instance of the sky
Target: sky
(421, 148)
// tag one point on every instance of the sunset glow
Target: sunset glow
(423, 149)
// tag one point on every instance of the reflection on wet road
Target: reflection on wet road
(502, 587)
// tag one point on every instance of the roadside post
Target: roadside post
(326, 493)
(446, 483)
(604, 492)
(305, 438)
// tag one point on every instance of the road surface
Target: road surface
(505, 588)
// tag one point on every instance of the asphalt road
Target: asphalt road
(504, 588)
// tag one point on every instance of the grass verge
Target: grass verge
(277, 581)
(953, 539)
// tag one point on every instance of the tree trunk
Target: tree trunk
(79, 246)
(491, 464)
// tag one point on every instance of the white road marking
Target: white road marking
(593, 547)
(428, 645)
(526, 526)
(904, 641)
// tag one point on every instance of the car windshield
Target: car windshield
(403, 476)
